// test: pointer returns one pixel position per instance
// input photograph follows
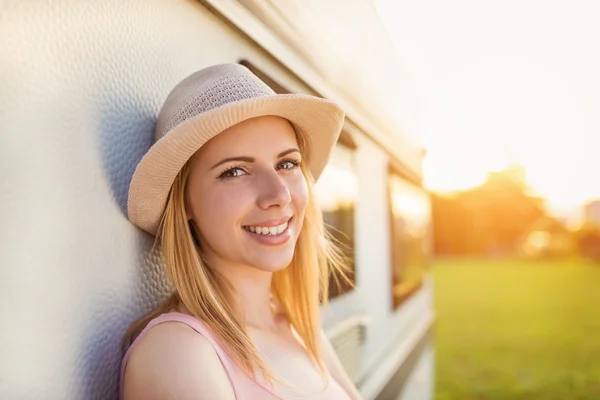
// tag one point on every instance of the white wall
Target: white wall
(420, 383)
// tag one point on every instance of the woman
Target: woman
(226, 189)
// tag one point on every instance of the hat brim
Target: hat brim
(318, 121)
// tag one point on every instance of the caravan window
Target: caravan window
(337, 192)
(410, 234)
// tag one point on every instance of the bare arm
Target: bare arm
(174, 362)
(336, 369)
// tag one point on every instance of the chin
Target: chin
(272, 264)
(271, 268)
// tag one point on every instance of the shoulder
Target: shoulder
(172, 361)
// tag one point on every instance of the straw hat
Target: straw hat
(208, 102)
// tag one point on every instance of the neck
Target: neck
(253, 295)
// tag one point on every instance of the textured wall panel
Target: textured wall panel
(81, 84)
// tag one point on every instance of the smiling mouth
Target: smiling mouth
(268, 230)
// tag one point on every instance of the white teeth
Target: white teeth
(281, 228)
(267, 230)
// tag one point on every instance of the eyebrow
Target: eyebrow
(251, 159)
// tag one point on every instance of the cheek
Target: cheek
(218, 211)
(299, 193)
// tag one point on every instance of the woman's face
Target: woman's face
(247, 194)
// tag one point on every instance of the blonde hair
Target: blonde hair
(299, 288)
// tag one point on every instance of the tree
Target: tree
(488, 219)
(588, 240)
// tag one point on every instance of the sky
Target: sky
(505, 82)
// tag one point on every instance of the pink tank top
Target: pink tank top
(244, 387)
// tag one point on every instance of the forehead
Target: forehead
(253, 138)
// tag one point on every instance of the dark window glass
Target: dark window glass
(336, 192)
(410, 218)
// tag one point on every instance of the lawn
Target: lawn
(517, 330)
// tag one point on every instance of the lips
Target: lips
(272, 232)
(272, 226)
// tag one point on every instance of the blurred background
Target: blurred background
(509, 119)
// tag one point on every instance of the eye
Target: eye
(232, 173)
(289, 164)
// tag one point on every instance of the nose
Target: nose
(273, 191)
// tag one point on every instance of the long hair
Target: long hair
(300, 288)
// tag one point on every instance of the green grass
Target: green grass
(517, 330)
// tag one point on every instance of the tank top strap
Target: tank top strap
(196, 325)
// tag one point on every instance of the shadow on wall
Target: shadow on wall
(126, 132)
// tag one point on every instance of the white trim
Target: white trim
(380, 377)
(240, 17)
(348, 323)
